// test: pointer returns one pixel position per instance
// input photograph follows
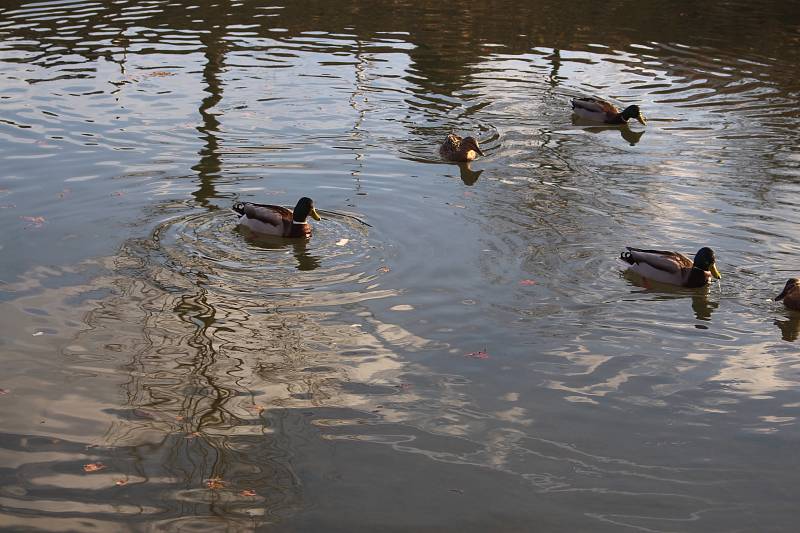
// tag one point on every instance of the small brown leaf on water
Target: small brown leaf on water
(248, 492)
(527, 282)
(215, 483)
(93, 467)
(384, 269)
(478, 355)
(35, 222)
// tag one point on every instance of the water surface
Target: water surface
(455, 349)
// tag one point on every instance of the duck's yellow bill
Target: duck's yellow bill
(715, 272)
(314, 214)
(641, 119)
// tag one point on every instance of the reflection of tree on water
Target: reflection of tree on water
(192, 415)
(209, 167)
(220, 382)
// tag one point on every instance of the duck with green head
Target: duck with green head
(598, 110)
(671, 267)
(277, 220)
(462, 150)
(790, 294)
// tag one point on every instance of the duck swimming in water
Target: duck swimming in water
(455, 148)
(790, 294)
(672, 267)
(599, 110)
(277, 220)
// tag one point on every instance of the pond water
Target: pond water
(455, 349)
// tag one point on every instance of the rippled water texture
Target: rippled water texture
(455, 349)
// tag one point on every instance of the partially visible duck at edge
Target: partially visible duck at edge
(599, 110)
(455, 148)
(790, 294)
(672, 267)
(277, 220)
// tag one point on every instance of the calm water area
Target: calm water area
(456, 348)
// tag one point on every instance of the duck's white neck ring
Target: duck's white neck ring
(296, 222)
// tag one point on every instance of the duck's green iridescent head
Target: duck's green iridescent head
(304, 207)
(633, 111)
(706, 261)
(791, 284)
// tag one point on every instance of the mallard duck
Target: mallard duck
(601, 111)
(790, 294)
(455, 148)
(672, 267)
(277, 220)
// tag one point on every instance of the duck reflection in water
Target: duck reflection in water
(790, 327)
(469, 176)
(790, 296)
(631, 136)
(300, 247)
(702, 306)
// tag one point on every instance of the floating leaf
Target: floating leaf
(384, 269)
(36, 222)
(248, 492)
(527, 282)
(93, 467)
(215, 483)
(478, 355)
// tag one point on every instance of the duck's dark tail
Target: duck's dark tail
(238, 207)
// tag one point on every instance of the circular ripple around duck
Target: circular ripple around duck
(339, 261)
